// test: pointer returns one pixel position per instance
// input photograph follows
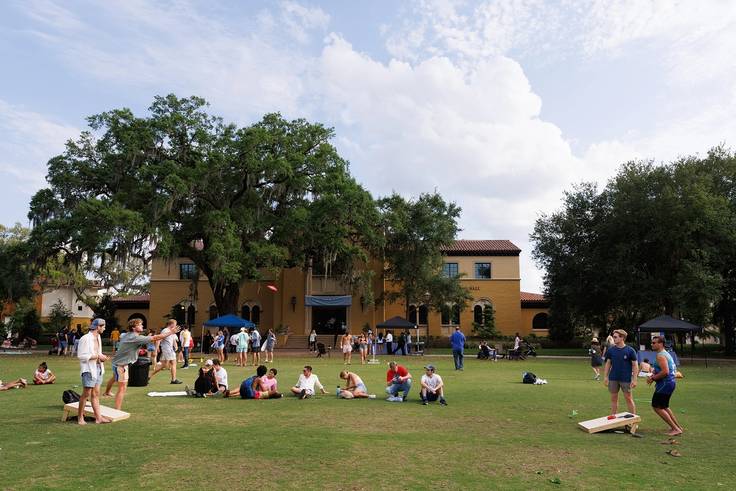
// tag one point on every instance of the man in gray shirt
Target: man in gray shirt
(128, 353)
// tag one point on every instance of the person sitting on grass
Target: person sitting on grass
(354, 386)
(206, 384)
(645, 368)
(43, 375)
(398, 379)
(220, 376)
(306, 384)
(21, 383)
(257, 386)
(432, 387)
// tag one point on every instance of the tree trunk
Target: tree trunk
(227, 296)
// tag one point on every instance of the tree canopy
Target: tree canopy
(415, 232)
(179, 182)
(657, 239)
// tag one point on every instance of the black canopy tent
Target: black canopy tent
(400, 323)
(668, 324)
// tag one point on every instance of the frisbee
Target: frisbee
(272, 288)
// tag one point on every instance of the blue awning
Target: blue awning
(328, 300)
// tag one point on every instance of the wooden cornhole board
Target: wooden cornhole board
(602, 424)
(108, 412)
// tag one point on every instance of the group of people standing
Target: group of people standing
(620, 371)
(247, 340)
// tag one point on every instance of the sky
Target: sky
(500, 106)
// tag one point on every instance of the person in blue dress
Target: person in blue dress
(663, 377)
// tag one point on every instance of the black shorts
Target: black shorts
(661, 400)
(432, 397)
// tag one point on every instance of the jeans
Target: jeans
(457, 355)
(404, 387)
(186, 356)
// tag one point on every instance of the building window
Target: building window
(423, 315)
(187, 271)
(450, 270)
(478, 314)
(445, 315)
(213, 312)
(456, 315)
(255, 315)
(79, 307)
(540, 321)
(245, 312)
(413, 314)
(483, 271)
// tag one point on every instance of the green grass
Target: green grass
(495, 433)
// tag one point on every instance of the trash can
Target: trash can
(138, 372)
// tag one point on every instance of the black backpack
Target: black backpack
(529, 378)
(70, 396)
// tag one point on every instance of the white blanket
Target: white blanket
(177, 393)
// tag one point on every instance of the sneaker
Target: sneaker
(443, 402)
(403, 399)
(176, 381)
(303, 394)
(424, 402)
(189, 391)
(371, 396)
(185, 367)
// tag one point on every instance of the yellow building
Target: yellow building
(303, 300)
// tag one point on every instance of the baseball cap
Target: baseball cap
(97, 323)
(429, 367)
(208, 363)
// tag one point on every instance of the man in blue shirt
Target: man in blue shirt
(620, 371)
(664, 379)
(457, 340)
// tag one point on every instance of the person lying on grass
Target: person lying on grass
(43, 375)
(15, 384)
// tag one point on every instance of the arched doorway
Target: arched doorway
(540, 321)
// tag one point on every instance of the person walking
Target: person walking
(186, 341)
(620, 371)
(347, 348)
(457, 341)
(313, 340)
(664, 386)
(596, 360)
(269, 346)
(255, 344)
(168, 353)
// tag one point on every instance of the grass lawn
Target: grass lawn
(495, 433)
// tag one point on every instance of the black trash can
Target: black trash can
(138, 372)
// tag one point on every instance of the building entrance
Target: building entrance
(329, 320)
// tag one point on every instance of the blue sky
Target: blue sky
(499, 105)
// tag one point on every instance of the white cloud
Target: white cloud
(28, 141)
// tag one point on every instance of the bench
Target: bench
(108, 412)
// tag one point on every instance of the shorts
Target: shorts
(242, 350)
(363, 347)
(90, 381)
(121, 373)
(347, 349)
(269, 348)
(431, 397)
(361, 388)
(167, 354)
(255, 348)
(62, 344)
(615, 385)
(115, 344)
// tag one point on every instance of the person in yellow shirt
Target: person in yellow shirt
(115, 338)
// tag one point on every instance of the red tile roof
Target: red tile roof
(533, 299)
(133, 298)
(482, 248)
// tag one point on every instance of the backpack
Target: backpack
(70, 396)
(529, 378)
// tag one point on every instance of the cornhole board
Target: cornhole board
(602, 424)
(110, 413)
